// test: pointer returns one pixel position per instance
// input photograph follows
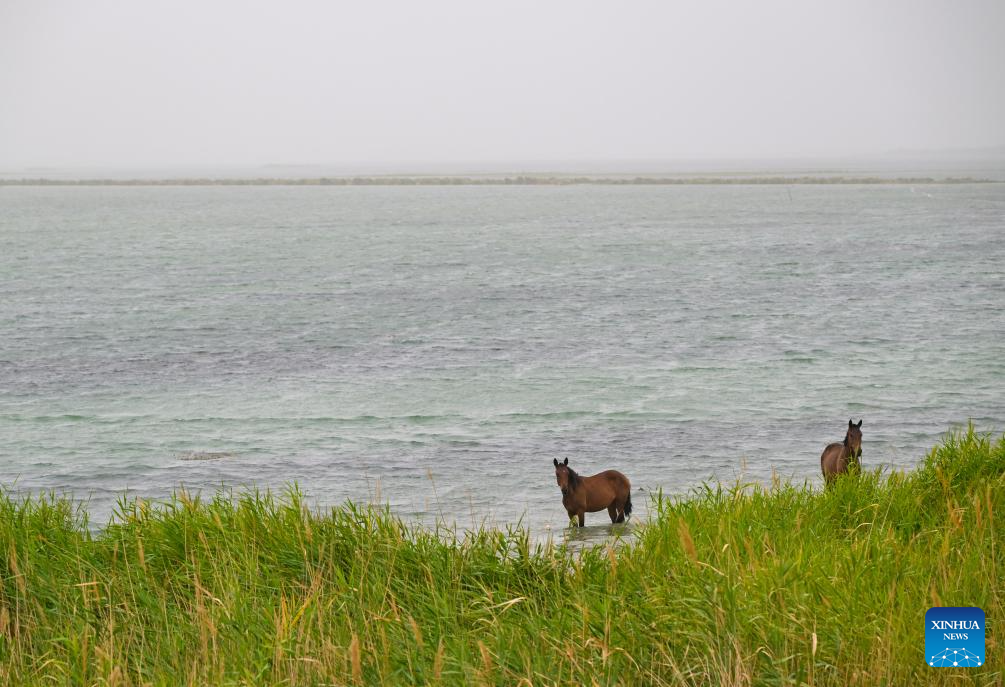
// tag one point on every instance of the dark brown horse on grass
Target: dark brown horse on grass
(837, 458)
(581, 495)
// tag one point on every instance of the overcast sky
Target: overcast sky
(101, 83)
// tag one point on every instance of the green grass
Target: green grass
(782, 585)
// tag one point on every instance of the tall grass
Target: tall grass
(737, 586)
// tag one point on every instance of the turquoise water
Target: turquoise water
(434, 348)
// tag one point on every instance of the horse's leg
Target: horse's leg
(582, 518)
(612, 510)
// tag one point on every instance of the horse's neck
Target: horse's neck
(849, 455)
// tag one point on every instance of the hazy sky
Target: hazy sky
(99, 83)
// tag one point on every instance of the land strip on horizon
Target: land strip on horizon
(501, 180)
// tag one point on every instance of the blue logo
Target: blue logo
(954, 637)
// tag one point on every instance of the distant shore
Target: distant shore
(507, 180)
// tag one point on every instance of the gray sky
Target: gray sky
(102, 83)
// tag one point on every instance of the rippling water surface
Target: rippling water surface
(435, 348)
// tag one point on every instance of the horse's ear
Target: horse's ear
(850, 423)
(565, 462)
(859, 424)
(555, 461)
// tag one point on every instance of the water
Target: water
(435, 348)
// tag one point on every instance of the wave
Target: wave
(72, 417)
(365, 420)
(206, 455)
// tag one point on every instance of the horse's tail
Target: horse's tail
(628, 505)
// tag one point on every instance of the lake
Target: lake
(434, 348)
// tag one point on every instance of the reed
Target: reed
(739, 585)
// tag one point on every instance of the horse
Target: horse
(581, 495)
(837, 458)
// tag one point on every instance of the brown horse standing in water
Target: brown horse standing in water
(836, 458)
(581, 495)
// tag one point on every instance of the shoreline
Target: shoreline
(512, 180)
(724, 585)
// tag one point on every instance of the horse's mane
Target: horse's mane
(574, 479)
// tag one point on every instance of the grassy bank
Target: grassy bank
(785, 585)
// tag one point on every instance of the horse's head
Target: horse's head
(562, 473)
(853, 439)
